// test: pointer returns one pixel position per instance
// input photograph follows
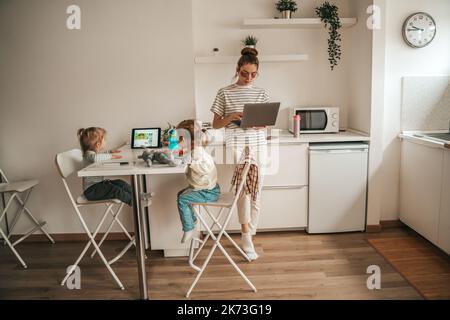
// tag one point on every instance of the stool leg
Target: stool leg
(216, 222)
(108, 208)
(12, 248)
(19, 210)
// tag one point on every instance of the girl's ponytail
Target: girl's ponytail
(80, 132)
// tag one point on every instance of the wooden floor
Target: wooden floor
(292, 265)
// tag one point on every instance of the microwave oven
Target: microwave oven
(315, 119)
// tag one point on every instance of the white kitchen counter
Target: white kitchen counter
(418, 137)
(342, 136)
(285, 137)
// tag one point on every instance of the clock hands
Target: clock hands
(414, 28)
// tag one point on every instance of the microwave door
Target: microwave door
(313, 120)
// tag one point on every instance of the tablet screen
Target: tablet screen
(145, 138)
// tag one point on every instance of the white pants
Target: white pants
(248, 209)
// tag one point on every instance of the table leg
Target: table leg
(146, 226)
(138, 226)
(3, 207)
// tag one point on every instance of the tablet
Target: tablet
(145, 138)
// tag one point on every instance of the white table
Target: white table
(136, 170)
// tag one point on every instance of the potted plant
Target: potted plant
(286, 7)
(250, 41)
(328, 14)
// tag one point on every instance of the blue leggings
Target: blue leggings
(186, 196)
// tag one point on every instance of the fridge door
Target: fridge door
(338, 184)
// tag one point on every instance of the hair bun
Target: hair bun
(249, 51)
(80, 131)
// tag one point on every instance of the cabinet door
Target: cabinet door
(444, 214)
(281, 208)
(288, 165)
(420, 188)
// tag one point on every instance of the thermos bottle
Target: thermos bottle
(297, 126)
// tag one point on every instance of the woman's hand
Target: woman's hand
(235, 116)
(115, 156)
(116, 151)
(220, 122)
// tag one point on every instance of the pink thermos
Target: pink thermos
(297, 126)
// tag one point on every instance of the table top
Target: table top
(135, 166)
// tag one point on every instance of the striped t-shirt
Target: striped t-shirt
(231, 99)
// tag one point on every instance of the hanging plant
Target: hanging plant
(328, 14)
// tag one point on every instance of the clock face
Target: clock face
(419, 30)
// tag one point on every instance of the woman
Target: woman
(227, 108)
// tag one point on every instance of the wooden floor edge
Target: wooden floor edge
(70, 237)
(384, 224)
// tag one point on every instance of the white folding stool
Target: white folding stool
(69, 162)
(14, 189)
(226, 201)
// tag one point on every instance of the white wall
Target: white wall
(217, 23)
(401, 60)
(375, 184)
(129, 66)
(360, 69)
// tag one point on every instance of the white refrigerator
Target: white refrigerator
(337, 187)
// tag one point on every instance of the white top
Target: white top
(232, 99)
(201, 173)
(90, 157)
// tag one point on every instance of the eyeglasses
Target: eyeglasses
(246, 74)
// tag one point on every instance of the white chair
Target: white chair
(226, 201)
(13, 189)
(67, 163)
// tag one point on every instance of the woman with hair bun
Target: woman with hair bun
(228, 108)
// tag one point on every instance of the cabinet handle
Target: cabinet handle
(283, 187)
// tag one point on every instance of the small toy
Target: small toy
(152, 156)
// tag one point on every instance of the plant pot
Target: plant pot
(250, 46)
(286, 14)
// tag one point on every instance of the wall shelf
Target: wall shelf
(307, 23)
(263, 58)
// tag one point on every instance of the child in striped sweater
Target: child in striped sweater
(92, 141)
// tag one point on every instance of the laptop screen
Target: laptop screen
(145, 138)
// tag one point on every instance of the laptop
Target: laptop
(258, 115)
(146, 138)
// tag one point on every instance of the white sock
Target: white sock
(187, 235)
(247, 245)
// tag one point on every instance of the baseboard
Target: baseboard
(74, 237)
(373, 228)
(71, 237)
(385, 224)
(391, 224)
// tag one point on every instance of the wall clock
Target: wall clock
(419, 30)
